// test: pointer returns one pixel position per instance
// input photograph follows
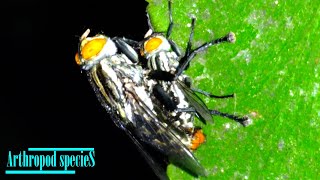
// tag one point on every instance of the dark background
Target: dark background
(46, 101)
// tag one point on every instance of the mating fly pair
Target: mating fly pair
(148, 95)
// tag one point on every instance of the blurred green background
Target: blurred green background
(273, 69)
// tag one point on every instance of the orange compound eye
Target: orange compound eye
(77, 59)
(198, 139)
(92, 48)
(152, 44)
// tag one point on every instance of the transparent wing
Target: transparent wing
(196, 102)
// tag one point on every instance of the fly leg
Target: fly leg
(169, 30)
(212, 95)
(188, 82)
(243, 120)
(174, 46)
(190, 54)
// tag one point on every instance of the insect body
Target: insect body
(171, 95)
(121, 87)
(166, 65)
(170, 89)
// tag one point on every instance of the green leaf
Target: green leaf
(273, 69)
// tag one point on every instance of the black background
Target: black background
(46, 101)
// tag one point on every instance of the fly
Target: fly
(165, 65)
(121, 87)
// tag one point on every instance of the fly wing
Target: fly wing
(151, 129)
(155, 163)
(196, 102)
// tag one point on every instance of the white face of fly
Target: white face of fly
(93, 49)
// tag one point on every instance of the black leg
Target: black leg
(242, 120)
(211, 95)
(188, 82)
(169, 30)
(189, 46)
(175, 47)
(230, 37)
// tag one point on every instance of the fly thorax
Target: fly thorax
(143, 96)
(112, 80)
(126, 59)
(158, 61)
(116, 59)
(133, 73)
(126, 72)
(163, 61)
